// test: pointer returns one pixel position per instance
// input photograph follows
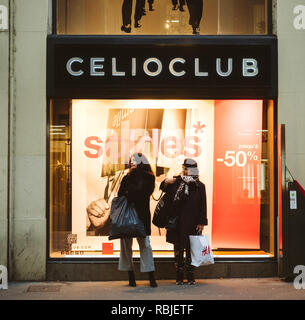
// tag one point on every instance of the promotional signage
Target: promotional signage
(224, 137)
(108, 132)
(93, 67)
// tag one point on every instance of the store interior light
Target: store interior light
(58, 130)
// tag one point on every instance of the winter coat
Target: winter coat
(137, 186)
(190, 211)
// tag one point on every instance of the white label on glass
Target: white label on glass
(293, 200)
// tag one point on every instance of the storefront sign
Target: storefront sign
(96, 67)
(249, 67)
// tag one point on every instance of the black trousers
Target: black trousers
(195, 8)
(150, 2)
(140, 5)
(127, 10)
(180, 261)
(181, 2)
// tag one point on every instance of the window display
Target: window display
(161, 17)
(228, 139)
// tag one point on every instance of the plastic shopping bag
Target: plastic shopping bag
(201, 251)
(125, 222)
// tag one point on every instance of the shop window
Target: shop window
(206, 17)
(90, 144)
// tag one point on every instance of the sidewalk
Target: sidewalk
(206, 289)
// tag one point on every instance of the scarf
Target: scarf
(184, 185)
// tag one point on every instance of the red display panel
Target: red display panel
(237, 174)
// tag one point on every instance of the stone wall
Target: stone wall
(27, 176)
(4, 128)
(291, 42)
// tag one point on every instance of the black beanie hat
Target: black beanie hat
(190, 163)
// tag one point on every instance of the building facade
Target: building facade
(75, 87)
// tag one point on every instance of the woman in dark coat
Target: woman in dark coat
(137, 186)
(187, 199)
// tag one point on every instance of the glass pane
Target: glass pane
(231, 140)
(161, 17)
(60, 178)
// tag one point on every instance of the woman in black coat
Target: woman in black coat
(137, 186)
(188, 212)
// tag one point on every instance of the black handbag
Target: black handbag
(125, 222)
(172, 223)
(160, 218)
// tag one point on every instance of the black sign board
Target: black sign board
(162, 67)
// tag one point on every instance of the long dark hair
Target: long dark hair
(142, 162)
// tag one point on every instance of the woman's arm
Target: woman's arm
(123, 187)
(166, 184)
(203, 206)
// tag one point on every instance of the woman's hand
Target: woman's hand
(200, 227)
(170, 180)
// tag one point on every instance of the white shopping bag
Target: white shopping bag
(201, 251)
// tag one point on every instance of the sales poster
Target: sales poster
(106, 133)
(237, 174)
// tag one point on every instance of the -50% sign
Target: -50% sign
(239, 158)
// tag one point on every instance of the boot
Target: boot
(126, 29)
(196, 30)
(151, 7)
(131, 277)
(152, 281)
(190, 276)
(179, 275)
(137, 24)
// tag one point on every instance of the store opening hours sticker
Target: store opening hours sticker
(293, 199)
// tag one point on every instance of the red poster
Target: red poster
(237, 174)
